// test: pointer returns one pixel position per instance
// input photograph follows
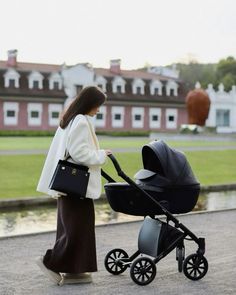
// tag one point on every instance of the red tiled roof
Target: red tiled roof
(26, 66)
(131, 74)
(128, 74)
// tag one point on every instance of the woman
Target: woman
(73, 256)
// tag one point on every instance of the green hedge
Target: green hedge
(26, 133)
(123, 133)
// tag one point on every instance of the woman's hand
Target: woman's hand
(108, 152)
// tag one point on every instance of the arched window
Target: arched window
(118, 85)
(138, 86)
(11, 78)
(35, 80)
(172, 88)
(55, 81)
(101, 82)
(156, 87)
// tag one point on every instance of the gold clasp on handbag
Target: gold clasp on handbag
(73, 172)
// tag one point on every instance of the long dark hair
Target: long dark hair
(89, 98)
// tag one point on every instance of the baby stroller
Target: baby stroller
(165, 186)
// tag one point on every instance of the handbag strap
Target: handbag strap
(92, 133)
(67, 155)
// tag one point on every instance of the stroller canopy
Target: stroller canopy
(168, 163)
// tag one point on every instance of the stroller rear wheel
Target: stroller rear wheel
(113, 261)
(143, 271)
(195, 267)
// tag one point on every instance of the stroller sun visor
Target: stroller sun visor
(169, 163)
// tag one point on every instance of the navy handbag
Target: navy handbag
(71, 179)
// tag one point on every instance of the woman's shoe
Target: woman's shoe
(80, 278)
(53, 276)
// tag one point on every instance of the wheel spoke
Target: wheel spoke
(191, 271)
(147, 276)
(110, 262)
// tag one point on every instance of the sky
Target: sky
(139, 32)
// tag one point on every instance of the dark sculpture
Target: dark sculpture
(198, 105)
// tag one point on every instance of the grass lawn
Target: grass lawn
(38, 143)
(19, 174)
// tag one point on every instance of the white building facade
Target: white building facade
(222, 114)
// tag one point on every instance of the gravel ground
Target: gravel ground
(20, 274)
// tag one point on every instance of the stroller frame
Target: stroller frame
(143, 269)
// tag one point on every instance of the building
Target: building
(222, 114)
(32, 96)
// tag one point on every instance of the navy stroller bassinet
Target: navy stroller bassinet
(167, 177)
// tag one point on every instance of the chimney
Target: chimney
(12, 58)
(115, 66)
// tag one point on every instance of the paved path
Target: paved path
(20, 275)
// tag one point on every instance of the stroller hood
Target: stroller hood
(168, 164)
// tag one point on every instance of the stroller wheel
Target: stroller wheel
(113, 261)
(195, 267)
(143, 271)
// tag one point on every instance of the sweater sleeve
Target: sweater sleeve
(79, 148)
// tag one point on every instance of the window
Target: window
(171, 88)
(79, 88)
(156, 91)
(10, 110)
(138, 90)
(100, 120)
(137, 117)
(171, 118)
(117, 116)
(101, 82)
(156, 87)
(223, 118)
(154, 118)
(55, 81)
(54, 111)
(118, 85)
(11, 113)
(99, 117)
(56, 85)
(11, 78)
(35, 84)
(34, 114)
(12, 83)
(35, 80)
(118, 89)
(55, 115)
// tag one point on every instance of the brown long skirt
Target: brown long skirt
(75, 247)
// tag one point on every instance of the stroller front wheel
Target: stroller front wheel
(143, 271)
(113, 261)
(195, 267)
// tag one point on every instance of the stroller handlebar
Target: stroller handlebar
(115, 163)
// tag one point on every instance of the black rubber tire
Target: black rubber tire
(112, 261)
(143, 271)
(180, 258)
(195, 267)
